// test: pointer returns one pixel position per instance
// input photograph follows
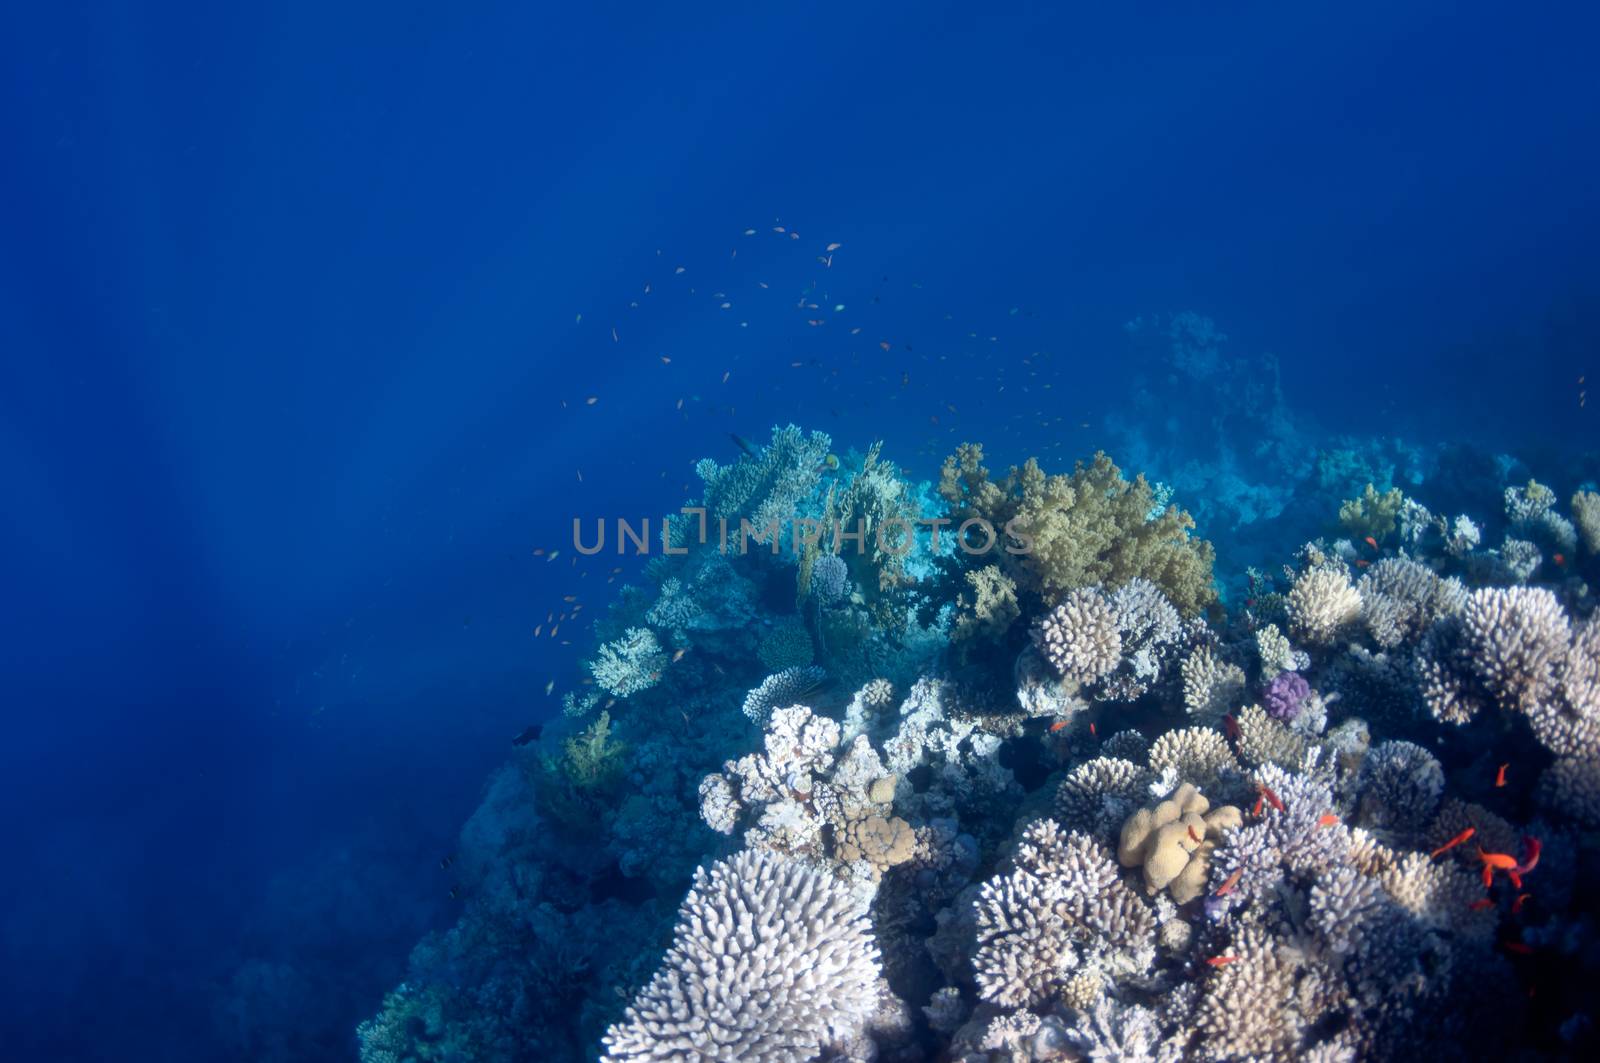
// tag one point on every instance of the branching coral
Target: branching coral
(1063, 896)
(782, 688)
(1321, 604)
(786, 645)
(770, 960)
(766, 489)
(1079, 637)
(630, 664)
(1211, 685)
(1081, 530)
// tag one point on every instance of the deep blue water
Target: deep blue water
(294, 378)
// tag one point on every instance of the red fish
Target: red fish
(1195, 836)
(1256, 811)
(1092, 733)
(1493, 862)
(1272, 798)
(1518, 947)
(1362, 562)
(1453, 842)
(1058, 725)
(1221, 961)
(1530, 846)
(1229, 882)
(1478, 906)
(1231, 725)
(1370, 541)
(1327, 820)
(1500, 776)
(1559, 559)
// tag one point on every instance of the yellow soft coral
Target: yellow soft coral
(1371, 514)
(1093, 527)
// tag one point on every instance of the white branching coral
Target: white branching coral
(1079, 637)
(1197, 754)
(1401, 786)
(1101, 793)
(1263, 740)
(1063, 898)
(1276, 654)
(1211, 685)
(629, 664)
(1401, 599)
(782, 688)
(771, 960)
(1321, 604)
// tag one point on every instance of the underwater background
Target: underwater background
(322, 323)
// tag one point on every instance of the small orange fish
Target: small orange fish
(1197, 839)
(1256, 811)
(1500, 776)
(1559, 559)
(1498, 861)
(1362, 562)
(1231, 725)
(1516, 905)
(1327, 820)
(1230, 882)
(1453, 842)
(1518, 947)
(1370, 541)
(1272, 798)
(1092, 733)
(1221, 961)
(1058, 725)
(1480, 905)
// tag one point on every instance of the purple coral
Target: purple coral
(1286, 695)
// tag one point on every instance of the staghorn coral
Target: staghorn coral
(1081, 530)
(1321, 604)
(770, 960)
(1079, 637)
(629, 664)
(1531, 510)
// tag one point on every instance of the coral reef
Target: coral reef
(1059, 804)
